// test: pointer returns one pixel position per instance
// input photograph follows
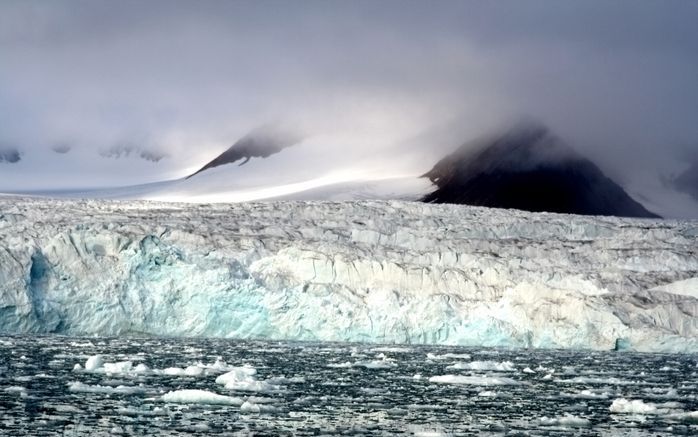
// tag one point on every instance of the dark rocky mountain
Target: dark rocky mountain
(259, 143)
(9, 155)
(530, 169)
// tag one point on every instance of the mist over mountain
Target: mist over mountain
(530, 169)
(259, 143)
(362, 78)
(687, 181)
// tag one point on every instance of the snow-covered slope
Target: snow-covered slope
(309, 171)
(349, 271)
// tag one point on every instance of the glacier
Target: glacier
(359, 271)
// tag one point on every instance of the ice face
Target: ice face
(373, 271)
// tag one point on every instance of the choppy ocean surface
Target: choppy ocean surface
(149, 386)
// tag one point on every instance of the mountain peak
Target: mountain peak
(261, 142)
(529, 168)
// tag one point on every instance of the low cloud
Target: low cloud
(614, 79)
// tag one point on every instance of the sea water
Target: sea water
(52, 385)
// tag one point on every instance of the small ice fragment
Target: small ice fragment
(93, 363)
(473, 380)
(121, 367)
(622, 405)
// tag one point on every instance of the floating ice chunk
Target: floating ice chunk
(16, 389)
(93, 363)
(242, 379)
(141, 368)
(173, 371)
(199, 427)
(473, 380)
(691, 417)
(376, 364)
(252, 385)
(119, 368)
(422, 431)
(528, 370)
(567, 421)
(591, 380)
(487, 394)
(77, 368)
(252, 407)
(178, 371)
(448, 356)
(385, 363)
(219, 366)
(79, 387)
(587, 394)
(244, 373)
(391, 349)
(157, 411)
(194, 371)
(343, 365)
(199, 397)
(544, 369)
(506, 366)
(622, 405)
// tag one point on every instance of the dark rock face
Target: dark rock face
(529, 169)
(9, 155)
(688, 181)
(260, 143)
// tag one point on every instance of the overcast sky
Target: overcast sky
(184, 80)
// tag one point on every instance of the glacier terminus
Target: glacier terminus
(359, 271)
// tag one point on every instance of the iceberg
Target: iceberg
(387, 272)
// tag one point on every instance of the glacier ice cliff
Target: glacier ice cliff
(369, 271)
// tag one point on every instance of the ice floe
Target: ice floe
(474, 380)
(200, 397)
